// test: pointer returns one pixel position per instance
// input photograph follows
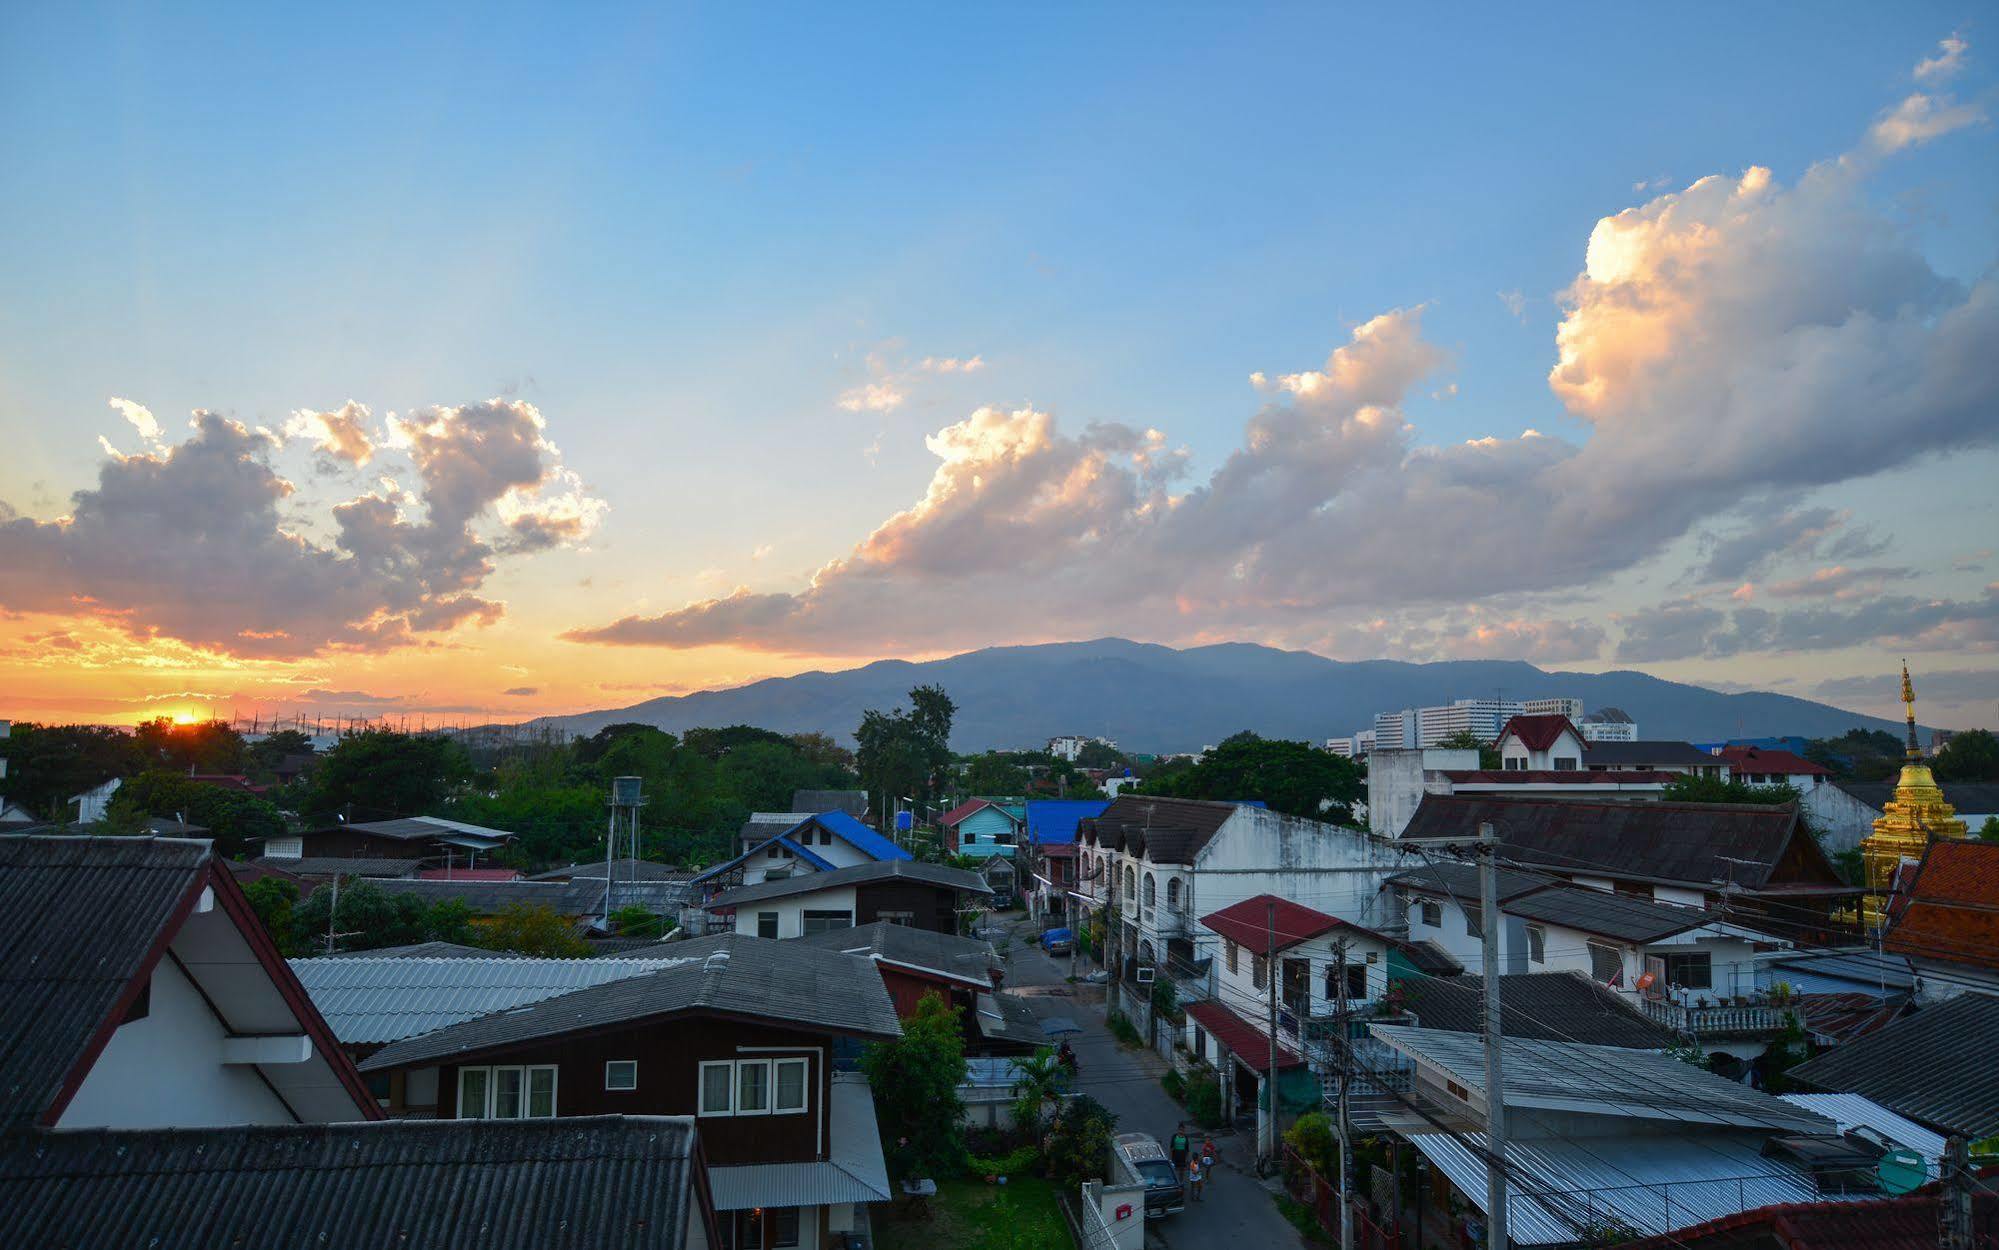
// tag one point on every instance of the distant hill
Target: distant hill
(1157, 699)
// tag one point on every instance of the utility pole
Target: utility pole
(332, 913)
(1346, 1079)
(1954, 1218)
(1270, 984)
(1495, 1099)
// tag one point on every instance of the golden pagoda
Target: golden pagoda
(1910, 820)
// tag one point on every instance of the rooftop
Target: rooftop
(852, 802)
(440, 1184)
(1542, 1006)
(368, 1000)
(1647, 754)
(1606, 914)
(740, 976)
(1267, 923)
(1170, 831)
(947, 954)
(1054, 821)
(1460, 881)
(1924, 1066)
(1538, 733)
(1948, 909)
(1767, 760)
(859, 874)
(628, 869)
(416, 828)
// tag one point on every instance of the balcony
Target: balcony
(1754, 1020)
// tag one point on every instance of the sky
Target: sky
(492, 365)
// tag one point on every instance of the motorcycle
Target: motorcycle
(1066, 1056)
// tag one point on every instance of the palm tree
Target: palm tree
(1039, 1083)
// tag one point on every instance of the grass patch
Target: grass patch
(1124, 1030)
(972, 1215)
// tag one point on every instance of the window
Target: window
(755, 1087)
(1231, 950)
(1606, 963)
(771, 853)
(1200, 1043)
(1693, 970)
(1537, 944)
(760, 1228)
(1259, 970)
(1432, 913)
(792, 1076)
(506, 1093)
(1172, 891)
(1356, 982)
(766, 924)
(718, 1083)
(825, 837)
(621, 1074)
(907, 918)
(1148, 889)
(1566, 763)
(825, 921)
(1472, 922)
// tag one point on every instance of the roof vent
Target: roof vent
(717, 962)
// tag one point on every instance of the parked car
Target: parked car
(1059, 941)
(1143, 1161)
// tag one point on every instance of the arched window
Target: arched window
(1148, 889)
(1145, 952)
(1172, 891)
(1130, 881)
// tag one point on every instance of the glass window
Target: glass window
(1172, 891)
(1233, 952)
(621, 1074)
(1537, 944)
(1356, 982)
(766, 924)
(1693, 970)
(1259, 971)
(1606, 964)
(1148, 889)
(791, 1085)
(1471, 922)
(825, 921)
(541, 1093)
(783, 1224)
(753, 1087)
(718, 1082)
(1565, 763)
(1433, 913)
(507, 1093)
(473, 1084)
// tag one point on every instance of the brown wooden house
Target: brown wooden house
(900, 891)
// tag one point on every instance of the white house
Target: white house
(93, 803)
(1541, 744)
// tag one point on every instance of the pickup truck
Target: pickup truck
(1140, 1160)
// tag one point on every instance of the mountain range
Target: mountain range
(1152, 698)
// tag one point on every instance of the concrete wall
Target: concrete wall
(1397, 780)
(1102, 1227)
(1843, 819)
(166, 1070)
(791, 911)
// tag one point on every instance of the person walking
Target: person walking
(1197, 1178)
(1178, 1149)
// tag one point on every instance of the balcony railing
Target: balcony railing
(1715, 1021)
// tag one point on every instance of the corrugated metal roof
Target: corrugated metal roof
(78, 916)
(1600, 1080)
(1053, 821)
(854, 1169)
(440, 1184)
(968, 959)
(1850, 1111)
(1649, 1184)
(1930, 1067)
(859, 874)
(408, 828)
(338, 866)
(1552, 1006)
(366, 1001)
(1605, 914)
(745, 976)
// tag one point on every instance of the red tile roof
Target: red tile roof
(1783, 763)
(1249, 923)
(1538, 733)
(1239, 1035)
(1892, 1224)
(1949, 907)
(963, 810)
(1566, 776)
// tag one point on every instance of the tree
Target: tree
(202, 747)
(1969, 756)
(370, 918)
(1039, 1083)
(1079, 1142)
(1466, 740)
(891, 758)
(1688, 788)
(1858, 754)
(1095, 754)
(532, 930)
(994, 774)
(1989, 831)
(263, 756)
(379, 775)
(273, 899)
(1292, 777)
(915, 1079)
(237, 821)
(47, 765)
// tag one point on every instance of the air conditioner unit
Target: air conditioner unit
(1145, 976)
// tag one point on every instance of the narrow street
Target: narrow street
(1237, 1211)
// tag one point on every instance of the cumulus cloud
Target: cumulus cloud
(140, 417)
(1736, 340)
(891, 378)
(341, 434)
(880, 396)
(194, 542)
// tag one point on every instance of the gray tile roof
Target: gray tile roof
(423, 950)
(333, 865)
(438, 1184)
(78, 918)
(629, 869)
(1460, 881)
(1606, 914)
(742, 976)
(416, 828)
(373, 1000)
(1007, 1018)
(1543, 1006)
(581, 897)
(1601, 1080)
(1934, 1067)
(852, 802)
(859, 874)
(1173, 831)
(947, 953)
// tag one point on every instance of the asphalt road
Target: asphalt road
(1237, 1213)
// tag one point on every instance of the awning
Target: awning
(854, 1169)
(1250, 1044)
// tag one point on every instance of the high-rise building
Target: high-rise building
(1483, 717)
(1571, 708)
(1340, 746)
(1363, 742)
(1394, 730)
(1608, 725)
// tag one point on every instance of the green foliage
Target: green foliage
(1989, 831)
(47, 764)
(1690, 1053)
(262, 757)
(994, 774)
(1311, 1135)
(1020, 1161)
(1204, 1098)
(1686, 788)
(1096, 754)
(1123, 1030)
(1972, 755)
(370, 918)
(1166, 998)
(203, 747)
(1301, 1217)
(1174, 1084)
(379, 775)
(1039, 1083)
(1079, 1142)
(1291, 777)
(1786, 1051)
(233, 818)
(637, 921)
(274, 899)
(531, 930)
(1466, 740)
(915, 1079)
(1858, 754)
(1851, 866)
(902, 753)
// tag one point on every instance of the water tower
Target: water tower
(626, 801)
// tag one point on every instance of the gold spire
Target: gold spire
(1916, 815)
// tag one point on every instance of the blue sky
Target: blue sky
(682, 236)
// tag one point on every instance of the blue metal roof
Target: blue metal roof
(1052, 822)
(855, 834)
(817, 861)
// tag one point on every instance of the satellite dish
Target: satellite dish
(1902, 1171)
